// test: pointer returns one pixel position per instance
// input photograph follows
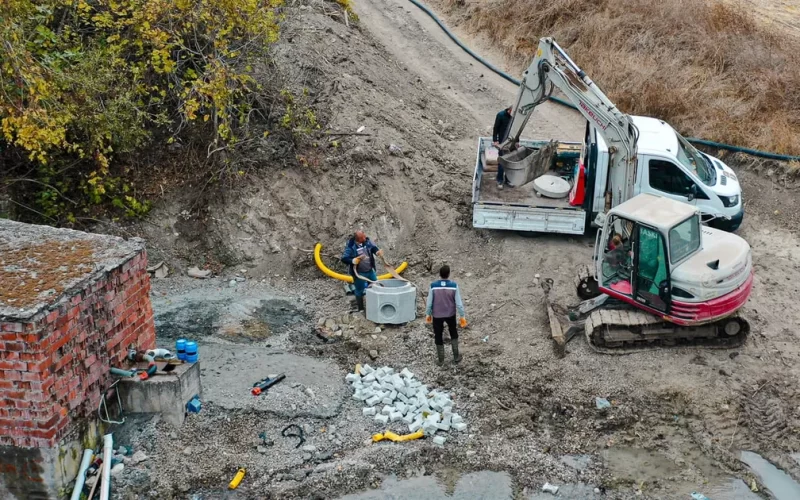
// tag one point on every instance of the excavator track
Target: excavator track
(625, 329)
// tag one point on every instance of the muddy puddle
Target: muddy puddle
(651, 470)
(779, 484)
(224, 314)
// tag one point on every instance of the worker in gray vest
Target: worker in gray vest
(444, 301)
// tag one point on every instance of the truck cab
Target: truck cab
(668, 166)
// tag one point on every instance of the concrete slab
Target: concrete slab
(166, 394)
(229, 372)
(482, 485)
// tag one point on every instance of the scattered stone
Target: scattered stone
(395, 150)
(187, 451)
(373, 354)
(306, 457)
(232, 283)
(196, 272)
(324, 455)
(117, 470)
(261, 449)
(173, 435)
(602, 403)
(184, 487)
(309, 448)
(724, 372)
(377, 329)
(471, 453)
(139, 457)
(439, 440)
(549, 488)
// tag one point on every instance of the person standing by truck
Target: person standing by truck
(444, 301)
(499, 133)
(359, 255)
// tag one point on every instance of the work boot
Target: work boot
(439, 354)
(499, 185)
(456, 355)
(360, 303)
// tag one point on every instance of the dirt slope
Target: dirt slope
(395, 74)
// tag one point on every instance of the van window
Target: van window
(684, 239)
(665, 176)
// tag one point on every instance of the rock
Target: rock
(139, 457)
(196, 272)
(261, 449)
(240, 279)
(91, 480)
(309, 448)
(471, 453)
(173, 435)
(306, 457)
(325, 455)
(330, 324)
(724, 372)
(377, 329)
(395, 150)
(309, 392)
(300, 475)
(232, 283)
(373, 354)
(184, 487)
(117, 470)
(187, 451)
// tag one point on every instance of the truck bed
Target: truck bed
(519, 208)
(522, 195)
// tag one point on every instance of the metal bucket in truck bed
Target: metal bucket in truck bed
(526, 164)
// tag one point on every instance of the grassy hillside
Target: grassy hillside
(708, 68)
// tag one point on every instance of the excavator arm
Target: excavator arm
(552, 67)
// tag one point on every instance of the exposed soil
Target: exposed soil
(398, 76)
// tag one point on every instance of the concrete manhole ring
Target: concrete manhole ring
(551, 186)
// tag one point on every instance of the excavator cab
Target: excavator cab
(660, 276)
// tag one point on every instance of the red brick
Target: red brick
(31, 376)
(12, 375)
(9, 356)
(51, 316)
(6, 384)
(13, 365)
(43, 365)
(90, 360)
(15, 346)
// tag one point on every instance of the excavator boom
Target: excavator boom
(552, 67)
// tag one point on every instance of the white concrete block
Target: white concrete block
(387, 401)
(401, 407)
(444, 426)
(460, 427)
(387, 410)
(446, 418)
(415, 426)
(447, 403)
(369, 412)
(435, 405)
(388, 370)
(368, 378)
(429, 428)
(395, 416)
(408, 419)
(357, 396)
(384, 419)
(393, 395)
(380, 372)
(366, 369)
(365, 395)
(373, 400)
(439, 440)
(434, 417)
(423, 388)
(407, 374)
(457, 419)
(415, 383)
(402, 397)
(352, 377)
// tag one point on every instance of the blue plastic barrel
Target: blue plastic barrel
(180, 347)
(191, 351)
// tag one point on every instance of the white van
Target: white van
(667, 166)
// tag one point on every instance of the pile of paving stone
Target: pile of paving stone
(400, 399)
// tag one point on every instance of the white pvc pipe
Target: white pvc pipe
(108, 446)
(87, 459)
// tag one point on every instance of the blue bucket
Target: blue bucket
(191, 351)
(180, 347)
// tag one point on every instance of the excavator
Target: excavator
(658, 275)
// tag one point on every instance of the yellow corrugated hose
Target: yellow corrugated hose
(344, 277)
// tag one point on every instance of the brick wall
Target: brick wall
(55, 366)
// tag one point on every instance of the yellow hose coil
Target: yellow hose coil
(345, 277)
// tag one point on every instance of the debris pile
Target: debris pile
(406, 401)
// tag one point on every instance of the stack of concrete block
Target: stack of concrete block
(406, 401)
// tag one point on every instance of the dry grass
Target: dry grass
(707, 68)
